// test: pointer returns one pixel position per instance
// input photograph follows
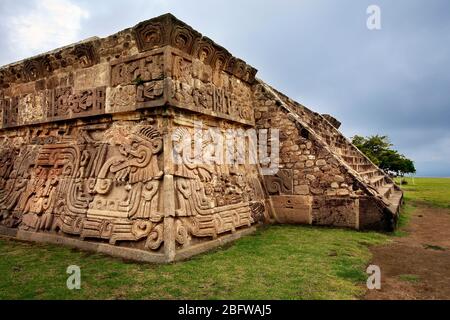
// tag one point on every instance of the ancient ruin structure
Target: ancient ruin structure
(93, 150)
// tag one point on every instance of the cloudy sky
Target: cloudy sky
(394, 81)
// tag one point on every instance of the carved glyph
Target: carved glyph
(120, 99)
(280, 183)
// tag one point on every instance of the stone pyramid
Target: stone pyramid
(156, 144)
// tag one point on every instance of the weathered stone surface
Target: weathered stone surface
(302, 190)
(93, 149)
(95, 76)
(292, 209)
(336, 123)
(335, 185)
(309, 164)
(121, 99)
(343, 192)
(339, 171)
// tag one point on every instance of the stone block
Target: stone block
(121, 99)
(302, 190)
(95, 76)
(292, 209)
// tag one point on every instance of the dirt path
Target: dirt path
(416, 266)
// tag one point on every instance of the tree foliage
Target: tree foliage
(379, 150)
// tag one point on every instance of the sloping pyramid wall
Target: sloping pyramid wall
(332, 180)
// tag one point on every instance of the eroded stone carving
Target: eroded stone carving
(86, 55)
(93, 147)
(36, 68)
(85, 186)
(121, 99)
(150, 91)
(9, 111)
(281, 183)
(168, 30)
(197, 85)
(137, 70)
(212, 199)
(64, 103)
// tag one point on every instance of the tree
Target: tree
(379, 150)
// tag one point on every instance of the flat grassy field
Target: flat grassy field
(431, 191)
(277, 262)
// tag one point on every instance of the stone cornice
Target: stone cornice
(168, 30)
(154, 33)
(79, 55)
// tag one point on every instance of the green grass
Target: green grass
(278, 262)
(412, 278)
(432, 191)
(405, 216)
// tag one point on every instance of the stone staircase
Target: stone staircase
(376, 180)
(372, 175)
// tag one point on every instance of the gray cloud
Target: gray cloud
(394, 81)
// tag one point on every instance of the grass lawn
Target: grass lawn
(277, 262)
(412, 278)
(432, 191)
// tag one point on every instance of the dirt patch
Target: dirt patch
(416, 266)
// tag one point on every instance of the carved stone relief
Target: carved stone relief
(168, 30)
(212, 91)
(79, 155)
(212, 198)
(86, 55)
(292, 209)
(78, 184)
(31, 108)
(65, 103)
(54, 104)
(281, 183)
(149, 92)
(136, 70)
(82, 55)
(120, 99)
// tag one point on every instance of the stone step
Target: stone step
(378, 180)
(386, 190)
(361, 167)
(357, 159)
(369, 173)
(395, 200)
